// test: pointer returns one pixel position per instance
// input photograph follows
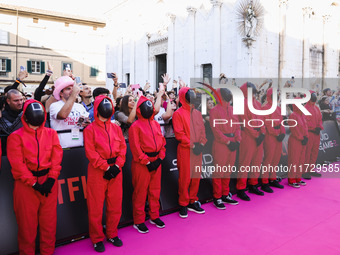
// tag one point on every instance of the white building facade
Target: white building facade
(240, 38)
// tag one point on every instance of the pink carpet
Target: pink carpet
(289, 221)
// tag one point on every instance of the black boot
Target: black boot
(306, 176)
(266, 188)
(242, 194)
(315, 174)
(276, 184)
(253, 189)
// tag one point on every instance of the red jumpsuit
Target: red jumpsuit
(296, 151)
(223, 156)
(145, 137)
(30, 151)
(272, 147)
(250, 153)
(102, 141)
(313, 121)
(188, 128)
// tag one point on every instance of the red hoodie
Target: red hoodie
(34, 150)
(104, 140)
(225, 112)
(301, 129)
(314, 120)
(276, 116)
(248, 115)
(145, 136)
(188, 123)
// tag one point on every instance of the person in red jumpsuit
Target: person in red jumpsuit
(190, 132)
(251, 147)
(272, 145)
(314, 123)
(105, 149)
(147, 146)
(35, 155)
(226, 142)
(297, 148)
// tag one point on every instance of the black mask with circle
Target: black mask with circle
(251, 85)
(190, 96)
(226, 94)
(146, 109)
(105, 108)
(313, 97)
(35, 114)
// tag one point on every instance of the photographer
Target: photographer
(66, 113)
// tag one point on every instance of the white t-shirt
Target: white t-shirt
(69, 123)
(167, 130)
(160, 119)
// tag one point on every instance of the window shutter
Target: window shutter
(8, 65)
(29, 66)
(42, 69)
(92, 73)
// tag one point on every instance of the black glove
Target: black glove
(198, 148)
(259, 139)
(111, 161)
(48, 185)
(112, 172)
(232, 146)
(40, 188)
(280, 137)
(317, 131)
(154, 165)
(304, 141)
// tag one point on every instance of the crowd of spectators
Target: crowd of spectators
(70, 105)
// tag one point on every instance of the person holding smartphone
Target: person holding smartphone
(105, 149)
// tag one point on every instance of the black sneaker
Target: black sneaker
(183, 212)
(307, 176)
(253, 189)
(115, 241)
(99, 247)
(315, 174)
(302, 183)
(141, 228)
(229, 200)
(218, 203)
(276, 184)
(196, 207)
(242, 194)
(158, 222)
(266, 188)
(294, 185)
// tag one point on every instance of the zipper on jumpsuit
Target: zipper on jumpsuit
(153, 135)
(108, 135)
(36, 138)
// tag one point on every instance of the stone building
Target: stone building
(241, 38)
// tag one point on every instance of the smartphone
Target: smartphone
(122, 85)
(78, 80)
(135, 86)
(22, 68)
(110, 75)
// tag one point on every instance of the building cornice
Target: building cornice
(50, 15)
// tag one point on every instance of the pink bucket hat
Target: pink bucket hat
(60, 84)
